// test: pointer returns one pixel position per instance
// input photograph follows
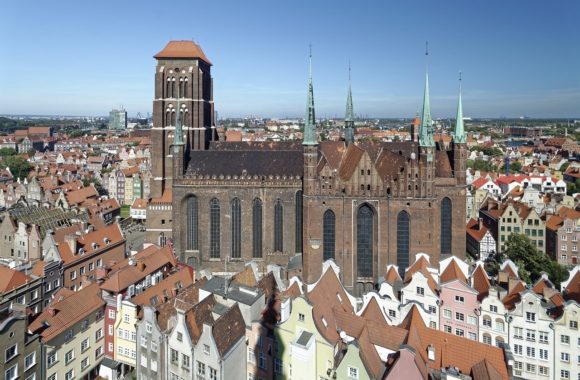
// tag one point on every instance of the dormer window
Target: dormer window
(94, 245)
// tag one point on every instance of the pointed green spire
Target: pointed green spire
(178, 139)
(426, 129)
(310, 121)
(349, 115)
(459, 131)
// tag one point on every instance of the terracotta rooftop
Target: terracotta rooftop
(92, 242)
(62, 315)
(12, 279)
(160, 292)
(572, 289)
(480, 282)
(392, 275)
(452, 272)
(421, 265)
(476, 231)
(182, 49)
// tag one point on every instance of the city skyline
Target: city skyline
(515, 61)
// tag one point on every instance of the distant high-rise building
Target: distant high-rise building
(118, 119)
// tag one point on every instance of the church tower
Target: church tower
(459, 143)
(183, 68)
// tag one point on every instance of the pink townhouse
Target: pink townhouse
(457, 300)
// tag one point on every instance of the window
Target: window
(278, 366)
(518, 349)
(98, 334)
(153, 346)
(447, 313)
(278, 226)
(392, 313)
(85, 363)
(214, 233)
(531, 368)
(11, 352)
(200, 369)
(459, 316)
(185, 361)
(542, 370)
(11, 373)
(486, 339)
(206, 349)
(69, 356)
(328, 235)
(29, 361)
(530, 335)
(530, 317)
(251, 355)
(565, 339)
(565, 357)
(73, 275)
(84, 345)
(472, 336)
(460, 299)
(126, 318)
(543, 337)
(263, 361)
(352, 372)
(432, 309)
(111, 314)
(91, 266)
(143, 341)
(236, 218)
(70, 375)
(403, 240)
(192, 223)
(174, 356)
(180, 337)
(531, 352)
(52, 358)
(301, 317)
(459, 332)
(564, 374)
(472, 320)
(420, 291)
(447, 329)
(99, 351)
(446, 223)
(212, 373)
(257, 228)
(543, 354)
(99, 263)
(487, 321)
(299, 226)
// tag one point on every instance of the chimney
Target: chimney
(71, 240)
(52, 311)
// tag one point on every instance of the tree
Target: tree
(7, 152)
(19, 167)
(531, 261)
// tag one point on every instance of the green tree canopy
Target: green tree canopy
(531, 261)
(19, 167)
(7, 152)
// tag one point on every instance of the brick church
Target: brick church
(365, 205)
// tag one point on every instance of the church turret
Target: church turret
(459, 143)
(178, 143)
(349, 115)
(310, 142)
(427, 143)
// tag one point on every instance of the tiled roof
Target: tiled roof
(349, 161)
(572, 289)
(480, 281)
(474, 230)
(452, 272)
(143, 266)
(451, 350)
(67, 312)
(182, 278)
(421, 265)
(12, 279)
(228, 330)
(514, 296)
(92, 242)
(79, 196)
(182, 49)
(392, 275)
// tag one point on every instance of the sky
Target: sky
(88, 57)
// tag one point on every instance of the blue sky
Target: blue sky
(87, 57)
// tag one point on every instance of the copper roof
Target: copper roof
(182, 49)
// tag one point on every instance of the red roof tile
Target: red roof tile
(182, 49)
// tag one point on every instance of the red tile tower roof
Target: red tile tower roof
(182, 49)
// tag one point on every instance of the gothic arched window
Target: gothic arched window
(192, 224)
(364, 241)
(446, 220)
(278, 226)
(257, 228)
(328, 235)
(403, 235)
(298, 221)
(214, 228)
(236, 229)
